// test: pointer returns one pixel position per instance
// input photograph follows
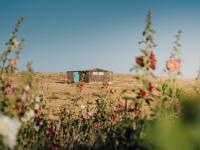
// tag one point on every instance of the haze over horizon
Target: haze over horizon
(71, 35)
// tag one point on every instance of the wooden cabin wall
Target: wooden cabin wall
(87, 76)
(70, 76)
(108, 76)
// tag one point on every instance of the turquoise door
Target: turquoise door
(76, 76)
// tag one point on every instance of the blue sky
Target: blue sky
(66, 35)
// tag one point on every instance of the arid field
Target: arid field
(58, 93)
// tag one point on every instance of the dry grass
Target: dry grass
(58, 93)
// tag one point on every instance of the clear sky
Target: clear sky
(66, 35)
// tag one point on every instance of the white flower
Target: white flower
(41, 92)
(9, 128)
(82, 106)
(90, 114)
(28, 116)
(37, 106)
(24, 97)
(37, 99)
(37, 128)
(27, 88)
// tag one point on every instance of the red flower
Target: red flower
(96, 125)
(113, 117)
(18, 106)
(143, 93)
(130, 106)
(136, 110)
(37, 111)
(54, 147)
(39, 123)
(139, 61)
(151, 87)
(50, 131)
(153, 65)
(152, 60)
(152, 56)
(80, 86)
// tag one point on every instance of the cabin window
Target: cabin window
(95, 73)
(101, 73)
(98, 73)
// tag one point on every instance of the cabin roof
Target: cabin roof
(98, 70)
(94, 70)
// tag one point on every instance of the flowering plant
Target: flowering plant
(147, 61)
(173, 64)
(19, 102)
(9, 128)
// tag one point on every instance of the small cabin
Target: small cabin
(89, 76)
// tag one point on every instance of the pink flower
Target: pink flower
(9, 90)
(90, 113)
(173, 64)
(37, 108)
(96, 125)
(9, 83)
(12, 62)
(27, 88)
(122, 105)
